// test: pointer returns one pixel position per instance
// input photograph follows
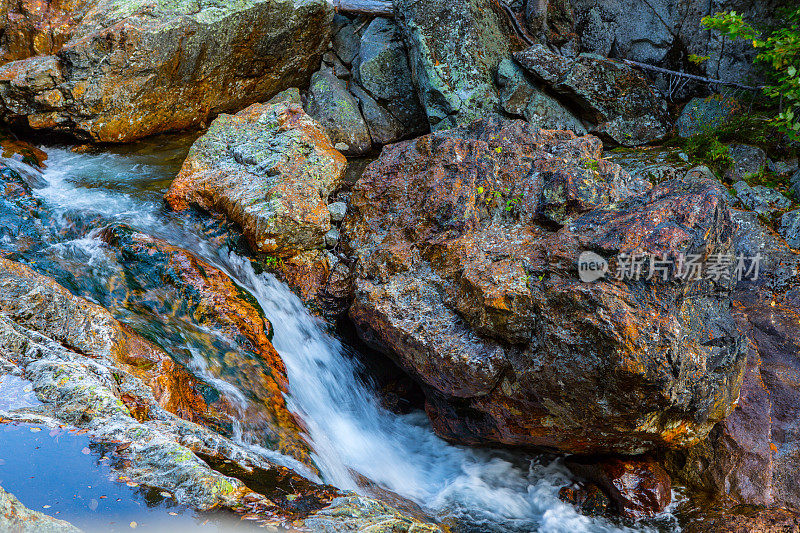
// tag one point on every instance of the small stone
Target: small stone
(683, 157)
(342, 147)
(332, 238)
(337, 211)
(638, 487)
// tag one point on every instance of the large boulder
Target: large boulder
(454, 50)
(269, 169)
(135, 68)
(467, 244)
(752, 457)
(618, 100)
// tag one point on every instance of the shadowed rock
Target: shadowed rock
(612, 95)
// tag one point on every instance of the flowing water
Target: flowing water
(475, 490)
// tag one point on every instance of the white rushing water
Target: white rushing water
(482, 490)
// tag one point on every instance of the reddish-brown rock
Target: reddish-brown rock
(465, 276)
(752, 457)
(37, 27)
(637, 487)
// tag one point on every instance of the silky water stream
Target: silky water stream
(473, 489)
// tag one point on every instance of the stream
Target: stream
(352, 436)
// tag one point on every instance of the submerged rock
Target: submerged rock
(134, 68)
(269, 169)
(466, 245)
(637, 487)
(612, 95)
(191, 298)
(16, 518)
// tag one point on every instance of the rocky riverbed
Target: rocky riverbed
(403, 266)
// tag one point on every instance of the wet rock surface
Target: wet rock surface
(612, 95)
(88, 377)
(192, 298)
(637, 487)
(131, 69)
(17, 518)
(466, 275)
(269, 169)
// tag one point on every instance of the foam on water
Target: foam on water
(483, 490)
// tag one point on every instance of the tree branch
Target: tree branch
(645, 66)
(379, 8)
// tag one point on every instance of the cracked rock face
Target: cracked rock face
(613, 96)
(467, 244)
(131, 68)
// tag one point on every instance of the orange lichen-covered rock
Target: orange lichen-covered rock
(467, 244)
(118, 70)
(42, 305)
(37, 27)
(270, 169)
